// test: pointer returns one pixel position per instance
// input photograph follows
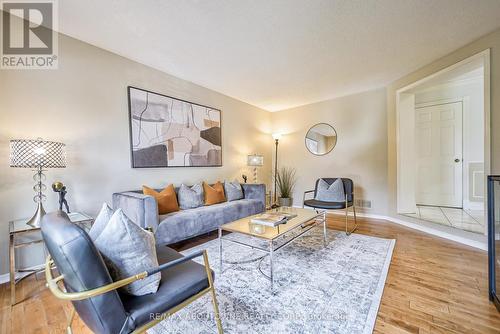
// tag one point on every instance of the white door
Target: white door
(438, 142)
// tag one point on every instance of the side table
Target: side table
(18, 228)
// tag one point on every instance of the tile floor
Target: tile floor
(470, 220)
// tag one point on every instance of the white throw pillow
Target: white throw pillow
(127, 249)
(100, 221)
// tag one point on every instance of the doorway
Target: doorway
(443, 146)
(439, 155)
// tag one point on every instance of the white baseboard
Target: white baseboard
(476, 241)
(5, 278)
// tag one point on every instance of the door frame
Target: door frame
(406, 187)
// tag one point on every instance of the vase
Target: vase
(285, 201)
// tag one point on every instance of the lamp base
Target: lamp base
(37, 217)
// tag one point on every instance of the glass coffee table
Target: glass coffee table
(305, 220)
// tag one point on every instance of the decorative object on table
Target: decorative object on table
(60, 188)
(244, 177)
(272, 219)
(326, 196)
(276, 137)
(286, 183)
(321, 139)
(169, 132)
(22, 235)
(493, 240)
(255, 160)
(37, 154)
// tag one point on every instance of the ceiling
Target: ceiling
(277, 54)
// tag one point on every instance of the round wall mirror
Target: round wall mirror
(321, 139)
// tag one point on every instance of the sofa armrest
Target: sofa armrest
(141, 209)
(255, 191)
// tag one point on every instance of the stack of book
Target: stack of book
(272, 219)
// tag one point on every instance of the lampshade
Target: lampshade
(37, 153)
(276, 136)
(255, 160)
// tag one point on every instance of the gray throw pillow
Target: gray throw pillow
(233, 190)
(127, 249)
(190, 198)
(100, 221)
(330, 192)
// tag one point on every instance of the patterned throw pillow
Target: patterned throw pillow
(233, 190)
(190, 198)
(330, 192)
(100, 221)
(166, 199)
(127, 249)
(213, 194)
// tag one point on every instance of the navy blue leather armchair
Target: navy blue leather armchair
(94, 295)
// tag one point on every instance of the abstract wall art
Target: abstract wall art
(169, 132)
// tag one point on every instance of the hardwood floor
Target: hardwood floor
(433, 286)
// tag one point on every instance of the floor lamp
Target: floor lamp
(276, 137)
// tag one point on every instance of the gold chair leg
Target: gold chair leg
(70, 321)
(347, 232)
(212, 290)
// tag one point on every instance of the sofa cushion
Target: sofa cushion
(177, 284)
(185, 224)
(166, 199)
(213, 194)
(190, 198)
(233, 190)
(127, 250)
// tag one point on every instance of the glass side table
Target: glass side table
(22, 235)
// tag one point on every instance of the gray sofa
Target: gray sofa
(185, 224)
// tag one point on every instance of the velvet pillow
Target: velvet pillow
(100, 221)
(190, 198)
(233, 190)
(127, 249)
(330, 192)
(166, 199)
(214, 194)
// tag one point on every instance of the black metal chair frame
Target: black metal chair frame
(346, 204)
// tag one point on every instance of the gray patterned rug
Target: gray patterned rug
(333, 289)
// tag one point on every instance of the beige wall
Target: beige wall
(491, 41)
(84, 104)
(361, 150)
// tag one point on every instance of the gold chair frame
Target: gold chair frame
(53, 285)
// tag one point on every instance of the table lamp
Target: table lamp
(37, 154)
(255, 160)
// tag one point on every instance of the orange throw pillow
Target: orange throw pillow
(167, 199)
(215, 194)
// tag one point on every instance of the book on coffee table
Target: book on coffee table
(272, 219)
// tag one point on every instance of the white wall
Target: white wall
(471, 92)
(361, 150)
(84, 104)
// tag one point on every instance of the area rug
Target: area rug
(318, 289)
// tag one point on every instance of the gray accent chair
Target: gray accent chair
(184, 224)
(344, 205)
(96, 298)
